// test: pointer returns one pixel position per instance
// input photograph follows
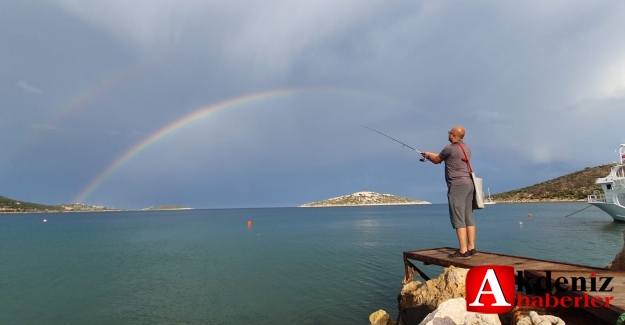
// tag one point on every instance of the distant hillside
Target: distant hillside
(364, 198)
(10, 205)
(570, 187)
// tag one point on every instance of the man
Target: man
(459, 190)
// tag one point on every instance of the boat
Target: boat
(612, 201)
(489, 200)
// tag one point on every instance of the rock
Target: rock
(618, 264)
(570, 316)
(535, 319)
(481, 319)
(454, 312)
(380, 317)
(418, 299)
(450, 284)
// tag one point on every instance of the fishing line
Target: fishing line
(577, 211)
(403, 144)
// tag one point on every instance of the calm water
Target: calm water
(293, 266)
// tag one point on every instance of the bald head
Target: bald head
(457, 131)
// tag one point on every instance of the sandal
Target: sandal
(458, 255)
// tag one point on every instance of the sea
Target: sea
(290, 266)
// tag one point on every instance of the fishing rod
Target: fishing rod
(403, 144)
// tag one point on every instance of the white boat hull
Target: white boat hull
(617, 212)
(613, 186)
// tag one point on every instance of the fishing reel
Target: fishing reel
(422, 159)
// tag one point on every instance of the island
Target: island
(167, 207)
(364, 198)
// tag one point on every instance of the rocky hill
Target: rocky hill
(570, 187)
(364, 198)
(8, 205)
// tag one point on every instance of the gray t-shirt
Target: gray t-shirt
(456, 170)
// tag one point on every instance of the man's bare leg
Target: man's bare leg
(462, 239)
(471, 235)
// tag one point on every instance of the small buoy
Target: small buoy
(45, 220)
(520, 222)
(249, 223)
(529, 215)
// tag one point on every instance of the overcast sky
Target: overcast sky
(91, 91)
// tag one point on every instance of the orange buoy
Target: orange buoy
(249, 223)
(529, 215)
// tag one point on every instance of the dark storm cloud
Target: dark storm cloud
(536, 84)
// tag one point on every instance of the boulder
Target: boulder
(380, 317)
(535, 319)
(454, 312)
(450, 284)
(417, 299)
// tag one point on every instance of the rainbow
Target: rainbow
(83, 99)
(113, 81)
(200, 113)
(195, 115)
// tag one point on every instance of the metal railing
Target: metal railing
(596, 198)
(618, 184)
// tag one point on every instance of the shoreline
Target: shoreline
(540, 201)
(496, 202)
(89, 211)
(300, 206)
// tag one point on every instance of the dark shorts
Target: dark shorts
(460, 198)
